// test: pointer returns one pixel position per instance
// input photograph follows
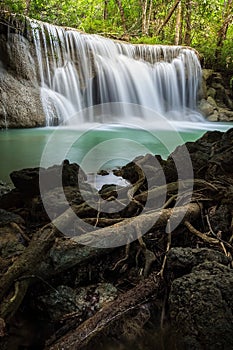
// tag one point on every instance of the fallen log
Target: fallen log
(103, 321)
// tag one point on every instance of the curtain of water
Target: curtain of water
(78, 70)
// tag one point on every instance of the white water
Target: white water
(78, 70)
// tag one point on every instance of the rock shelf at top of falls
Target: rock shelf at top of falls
(50, 74)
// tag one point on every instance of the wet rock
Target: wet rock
(20, 105)
(220, 218)
(154, 168)
(108, 191)
(58, 200)
(103, 173)
(32, 180)
(207, 73)
(201, 307)
(26, 180)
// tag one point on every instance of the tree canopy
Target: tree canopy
(206, 25)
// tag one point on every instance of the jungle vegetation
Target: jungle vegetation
(206, 25)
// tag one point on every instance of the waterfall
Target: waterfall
(78, 70)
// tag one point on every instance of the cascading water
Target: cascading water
(78, 70)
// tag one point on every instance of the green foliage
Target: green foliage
(15, 6)
(105, 17)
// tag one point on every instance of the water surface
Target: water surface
(94, 147)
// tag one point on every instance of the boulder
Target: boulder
(32, 180)
(20, 103)
(201, 307)
(206, 108)
(213, 117)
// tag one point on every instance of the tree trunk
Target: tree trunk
(187, 36)
(144, 8)
(106, 9)
(172, 10)
(122, 14)
(222, 33)
(178, 25)
(149, 16)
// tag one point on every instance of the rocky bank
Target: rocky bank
(167, 289)
(216, 98)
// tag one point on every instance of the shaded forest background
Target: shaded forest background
(206, 25)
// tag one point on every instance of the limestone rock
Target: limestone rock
(213, 117)
(20, 105)
(211, 92)
(16, 57)
(207, 73)
(225, 115)
(215, 92)
(206, 108)
(212, 102)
